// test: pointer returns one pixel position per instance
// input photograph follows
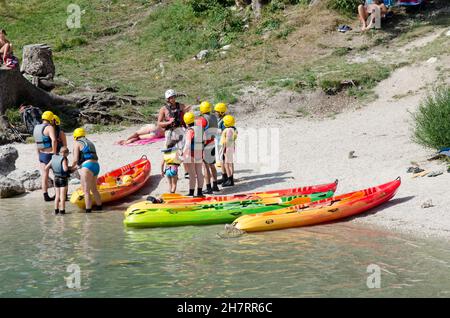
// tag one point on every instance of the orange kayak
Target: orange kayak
(322, 211)
(180, 199)
(119, 183)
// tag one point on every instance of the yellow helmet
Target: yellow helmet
(205, 107)
(229, 121)
(79, 132)
(57, 120)
(221, 108)
(48, 116)
(189, 118)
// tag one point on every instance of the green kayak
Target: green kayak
(212, 214)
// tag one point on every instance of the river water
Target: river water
(322, 261)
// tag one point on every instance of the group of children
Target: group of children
(206, 135)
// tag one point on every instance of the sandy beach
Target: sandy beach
(317, 151)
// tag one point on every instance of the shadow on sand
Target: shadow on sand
(257, 181)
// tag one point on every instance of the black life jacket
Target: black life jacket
(176, 114)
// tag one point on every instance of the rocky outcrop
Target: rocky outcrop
(38, 65)
(8, 157)
(10, 187)
(30, 180)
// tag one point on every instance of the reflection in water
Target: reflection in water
(327, 260)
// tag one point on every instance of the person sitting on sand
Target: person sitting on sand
(46, 141)
(169, 166)
(147, 132)
(60, 135)
(60, 167)
(5, 47)
(86, 159)
(365, 10)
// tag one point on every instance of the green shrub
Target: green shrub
(347, 7)
(13, 116)
(432, 120)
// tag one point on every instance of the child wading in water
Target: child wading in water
(228, 141)
(60, 166)
(171, 162)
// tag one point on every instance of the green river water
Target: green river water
(322, 261)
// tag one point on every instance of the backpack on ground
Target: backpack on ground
(31, 116)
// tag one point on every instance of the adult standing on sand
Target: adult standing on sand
(170, 117)
(46, 141)
(86, 159)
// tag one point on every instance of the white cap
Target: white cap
(170, 93)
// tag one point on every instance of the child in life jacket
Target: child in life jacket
(193, 154)
(170, 163)
(60, 167)
(228, 143)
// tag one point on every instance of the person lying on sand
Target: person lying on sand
(365, 10)
(146, 132)
(5, 47)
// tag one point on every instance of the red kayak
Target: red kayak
(180, 199)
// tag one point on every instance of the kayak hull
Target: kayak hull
(187, 203)
(218, 214)
(328, 210)
(139, 171)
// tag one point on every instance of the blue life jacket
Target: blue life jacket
(88, 151)
(41, 140)
(57, 166)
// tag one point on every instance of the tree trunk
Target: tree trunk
(15, 90)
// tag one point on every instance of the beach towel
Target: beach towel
(142, 142)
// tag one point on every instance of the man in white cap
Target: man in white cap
(170, 117)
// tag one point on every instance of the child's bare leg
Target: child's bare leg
(189, 167)
(213, 170)
(57, 198)
(63, 194)
(199, 174)
(207, 173)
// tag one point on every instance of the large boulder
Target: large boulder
(10, 187)
(38, 61)
(30, 180)
(8, 157)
